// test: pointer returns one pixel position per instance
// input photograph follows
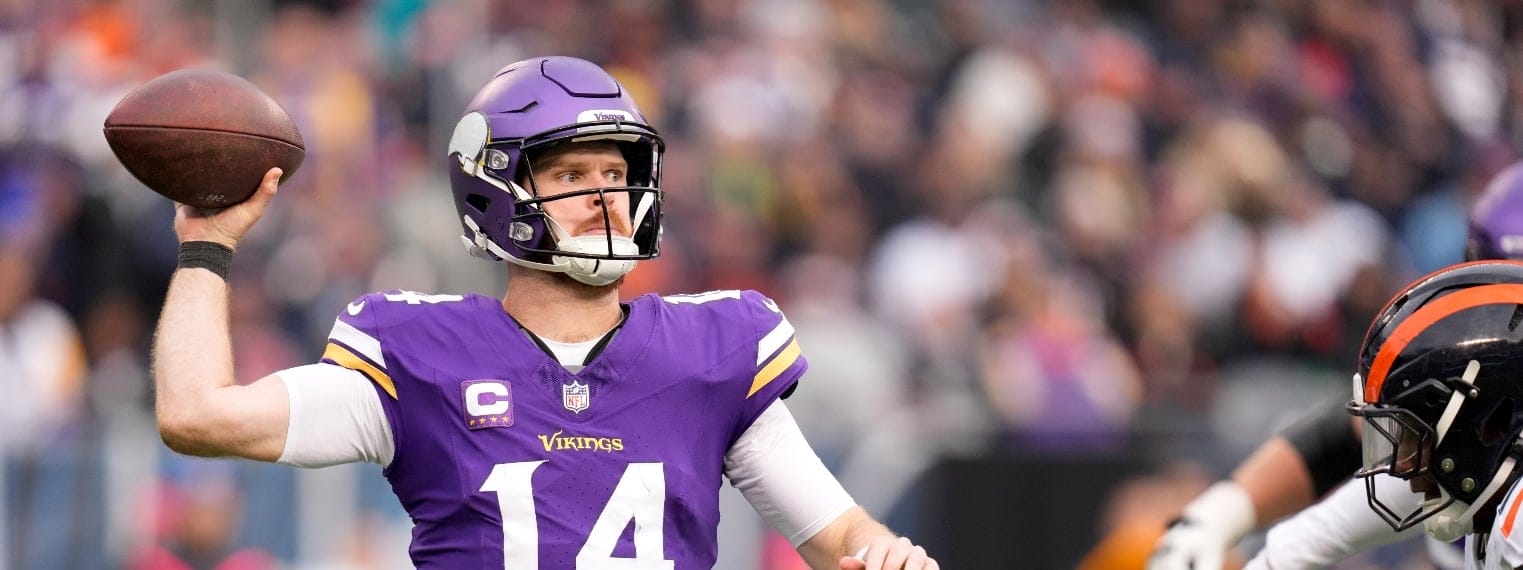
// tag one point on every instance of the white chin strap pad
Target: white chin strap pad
(1449, 524)
(596, 272)
(1458, 518)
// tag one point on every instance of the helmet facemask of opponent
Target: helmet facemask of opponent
(1399, 443)
(1441, 377)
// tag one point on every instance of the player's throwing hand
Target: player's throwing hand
(226, 225)
(886, 553)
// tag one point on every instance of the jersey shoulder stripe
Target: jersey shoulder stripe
(341, 355)
(745, 326)
(358, 342)
(353, 343)
(772, 370)
(775, 339)
(777, 351)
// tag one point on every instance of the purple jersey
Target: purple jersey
(505, 459)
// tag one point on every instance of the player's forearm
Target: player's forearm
(1276, 480)
(863, 530)
(848, 535)
(192, 358)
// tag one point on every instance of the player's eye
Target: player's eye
(614, 176)
(569, 178)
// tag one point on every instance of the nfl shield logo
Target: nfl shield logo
(575, 397)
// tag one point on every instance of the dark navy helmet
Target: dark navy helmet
(1496, 220)
(1440, 389)
(537, 105)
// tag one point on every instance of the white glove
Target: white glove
(1210, 525)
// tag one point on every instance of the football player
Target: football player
(1441, 397)
(1318, 454)
(555, 427)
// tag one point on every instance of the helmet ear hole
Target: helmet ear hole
(1499, 422)
(478, 202)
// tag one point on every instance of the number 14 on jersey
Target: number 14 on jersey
(640, 495)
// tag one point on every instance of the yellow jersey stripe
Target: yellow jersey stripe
(346, 359)
(361, 343)
(774, 340)
(766, 375)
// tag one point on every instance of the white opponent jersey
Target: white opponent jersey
(1504, 545)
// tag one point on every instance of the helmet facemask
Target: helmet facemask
(1397, 443)
(1401, 443)
(533, 238)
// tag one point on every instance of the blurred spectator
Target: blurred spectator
(1009, 220)
(1058, 380)
(41, 439)
(195, 521)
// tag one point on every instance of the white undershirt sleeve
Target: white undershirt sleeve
(779, 474)
(1339, 526)
(336, 417)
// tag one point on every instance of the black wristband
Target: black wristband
(211, 256)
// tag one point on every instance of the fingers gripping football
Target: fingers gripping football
(226, 226)
(885, 553)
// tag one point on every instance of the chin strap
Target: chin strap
(597, 272)
(1448, 526)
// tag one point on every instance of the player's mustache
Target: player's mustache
(616, 225)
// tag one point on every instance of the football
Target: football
(203, 137)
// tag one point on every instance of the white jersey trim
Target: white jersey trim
(773, 341)
(336, 417)
(780, 475)
(356, 339)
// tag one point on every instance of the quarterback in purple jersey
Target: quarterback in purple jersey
(555, 427)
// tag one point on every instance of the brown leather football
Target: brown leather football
(203, 137)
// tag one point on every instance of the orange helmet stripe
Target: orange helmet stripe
(1495, 294)
(1413, 285)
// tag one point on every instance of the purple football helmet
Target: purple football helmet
(1496, 220)
(531, 106)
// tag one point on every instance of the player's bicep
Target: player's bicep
(246, 421)
(335, 417)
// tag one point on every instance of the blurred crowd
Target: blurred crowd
(1003, 228)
